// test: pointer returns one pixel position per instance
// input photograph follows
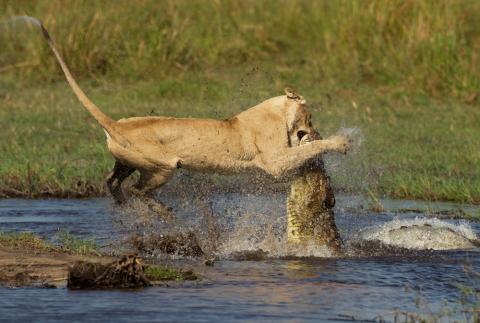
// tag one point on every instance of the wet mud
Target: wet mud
(128, 272)
(30, 267)
(52, 269)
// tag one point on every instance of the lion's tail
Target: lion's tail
(106, 122)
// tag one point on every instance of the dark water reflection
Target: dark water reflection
(271, 290)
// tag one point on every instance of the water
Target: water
(273, 289)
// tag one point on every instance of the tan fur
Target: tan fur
(264, 137)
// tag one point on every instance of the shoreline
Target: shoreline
(20, 267)
(98, 192)
(68, 158)
(43, 268)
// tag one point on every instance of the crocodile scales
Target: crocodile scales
(310, 206)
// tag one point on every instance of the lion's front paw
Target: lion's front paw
(341, 143)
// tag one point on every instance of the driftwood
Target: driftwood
(124, 273)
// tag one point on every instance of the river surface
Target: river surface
(274, 289)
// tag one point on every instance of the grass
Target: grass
(432, 45)
(65, 242)
(72, 244)
(404, 72)
(414, 146)
(24, 240)
(159, 273)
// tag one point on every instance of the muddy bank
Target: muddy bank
(212, 183)
(21, 267)
(78, 190)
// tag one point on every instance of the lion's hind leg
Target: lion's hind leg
(148, 182)
(115, 179)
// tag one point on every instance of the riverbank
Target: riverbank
(29, 261)
(26, 267)
(413, 146)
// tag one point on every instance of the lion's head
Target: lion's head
(299, 119)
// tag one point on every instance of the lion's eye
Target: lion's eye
(300, 134)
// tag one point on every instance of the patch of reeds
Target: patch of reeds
(64, 242)
(165, 273)
(73, 244)
(24, 240)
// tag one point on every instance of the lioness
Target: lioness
(264, 137)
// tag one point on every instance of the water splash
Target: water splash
(225, 222)
(421, 233)
(228, 221)
(355, 136)
(271, 239)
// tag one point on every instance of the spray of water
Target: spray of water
(234, 224)
(421, 233)
(355, 136)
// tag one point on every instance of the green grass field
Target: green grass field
(405, 73)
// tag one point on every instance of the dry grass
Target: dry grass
(428, 45)
(24, 241)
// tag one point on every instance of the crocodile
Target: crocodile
(310, 206)
(311, 219)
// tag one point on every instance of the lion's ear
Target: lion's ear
(292, 95)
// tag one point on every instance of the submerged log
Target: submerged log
(124, 273)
